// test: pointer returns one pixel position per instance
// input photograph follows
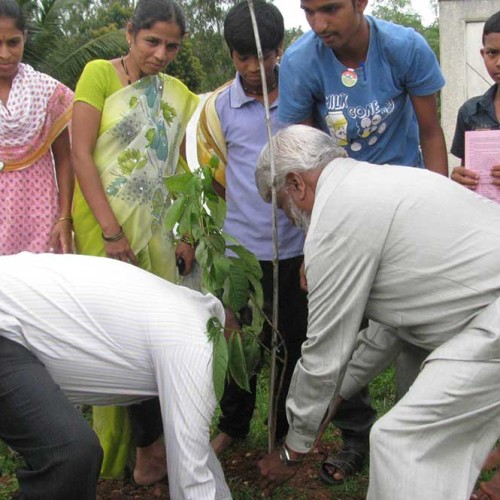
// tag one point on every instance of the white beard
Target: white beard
(299, 217)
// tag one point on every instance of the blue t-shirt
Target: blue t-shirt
(368, 109)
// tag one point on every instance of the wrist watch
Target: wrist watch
(285, 457)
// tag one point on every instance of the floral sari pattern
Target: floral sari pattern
(137, 149)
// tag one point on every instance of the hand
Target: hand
(274, 472)
(120, 250)
(302, 278)
(61, 239)
(467, 178)
(186, 252)
(495, 174)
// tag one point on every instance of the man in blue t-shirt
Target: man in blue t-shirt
(372, 85)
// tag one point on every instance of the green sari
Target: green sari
(141, 130)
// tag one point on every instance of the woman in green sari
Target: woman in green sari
(129, 122)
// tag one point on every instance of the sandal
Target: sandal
(347, 461)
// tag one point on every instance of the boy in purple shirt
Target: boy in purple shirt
(232, 127)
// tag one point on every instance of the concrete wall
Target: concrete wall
(460, 25)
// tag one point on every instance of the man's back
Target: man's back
(411, 234)
(92, 321)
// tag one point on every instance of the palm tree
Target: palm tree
(64, 35)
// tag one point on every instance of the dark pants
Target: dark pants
(238, 405)
(62, 453)
(354, 417)
(145, 422)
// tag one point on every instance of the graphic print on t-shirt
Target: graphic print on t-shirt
(356, 127)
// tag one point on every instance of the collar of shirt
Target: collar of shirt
(237, 96)
(485, 103)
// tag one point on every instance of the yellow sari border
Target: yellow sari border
(59, 125)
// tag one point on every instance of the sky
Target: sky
(294, 15)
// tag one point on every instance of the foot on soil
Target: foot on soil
(222, 442)
(489, 490)
(336, 468)
(150, 464)
(493, 459)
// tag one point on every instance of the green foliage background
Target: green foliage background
(64, 35)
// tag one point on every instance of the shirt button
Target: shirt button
(2, 164)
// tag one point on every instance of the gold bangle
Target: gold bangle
(118, 236)
(187, 240)
(64, 218)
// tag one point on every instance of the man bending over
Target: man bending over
(98, 331)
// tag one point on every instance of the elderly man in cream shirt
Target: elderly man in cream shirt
(414, 251)
(85, 329)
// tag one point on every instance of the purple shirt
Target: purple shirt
(249, 218)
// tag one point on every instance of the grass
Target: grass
(383, 393)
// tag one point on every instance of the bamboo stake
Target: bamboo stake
(272, 386)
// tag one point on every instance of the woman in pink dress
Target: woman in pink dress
(36, 178)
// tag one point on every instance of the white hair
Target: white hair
(297, 148)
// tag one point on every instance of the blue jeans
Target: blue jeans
(62, 453)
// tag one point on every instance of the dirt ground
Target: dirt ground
(243, 476)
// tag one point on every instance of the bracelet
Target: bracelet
(187, 240)
(286, 459)
(64, 218)
(118, 236)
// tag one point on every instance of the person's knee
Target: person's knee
(83, 452)
(381, 432)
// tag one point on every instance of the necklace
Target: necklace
(124, 66)
(260, 91)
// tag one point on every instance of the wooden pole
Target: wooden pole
(274, 342)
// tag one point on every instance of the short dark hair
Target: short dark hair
(238, 31)
(10, 9)
(149, 12)
(492, 25)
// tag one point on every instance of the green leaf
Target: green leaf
(235, 294)
(213, 163)
(258, 292)
(251, 349)
(179, 183)
(202, 254)
(174, 212)
(216, 243)
(248, 260)
(222, 267)
(215, 332)
(237, 363)
(217, 209)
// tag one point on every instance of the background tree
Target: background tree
(64, 35)
(401, 12)
(206, 25)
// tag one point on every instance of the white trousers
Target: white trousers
(188, 402)
(432, 444)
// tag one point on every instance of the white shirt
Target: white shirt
(111, 333)
(409, 249)
(99, 325)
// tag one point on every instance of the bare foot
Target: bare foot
(150, 463)
(222, 442)
(489, 490)
(493, 459)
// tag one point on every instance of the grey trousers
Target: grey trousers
(432, 444)
(62, 454)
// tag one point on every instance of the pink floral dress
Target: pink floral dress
(37, 111)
